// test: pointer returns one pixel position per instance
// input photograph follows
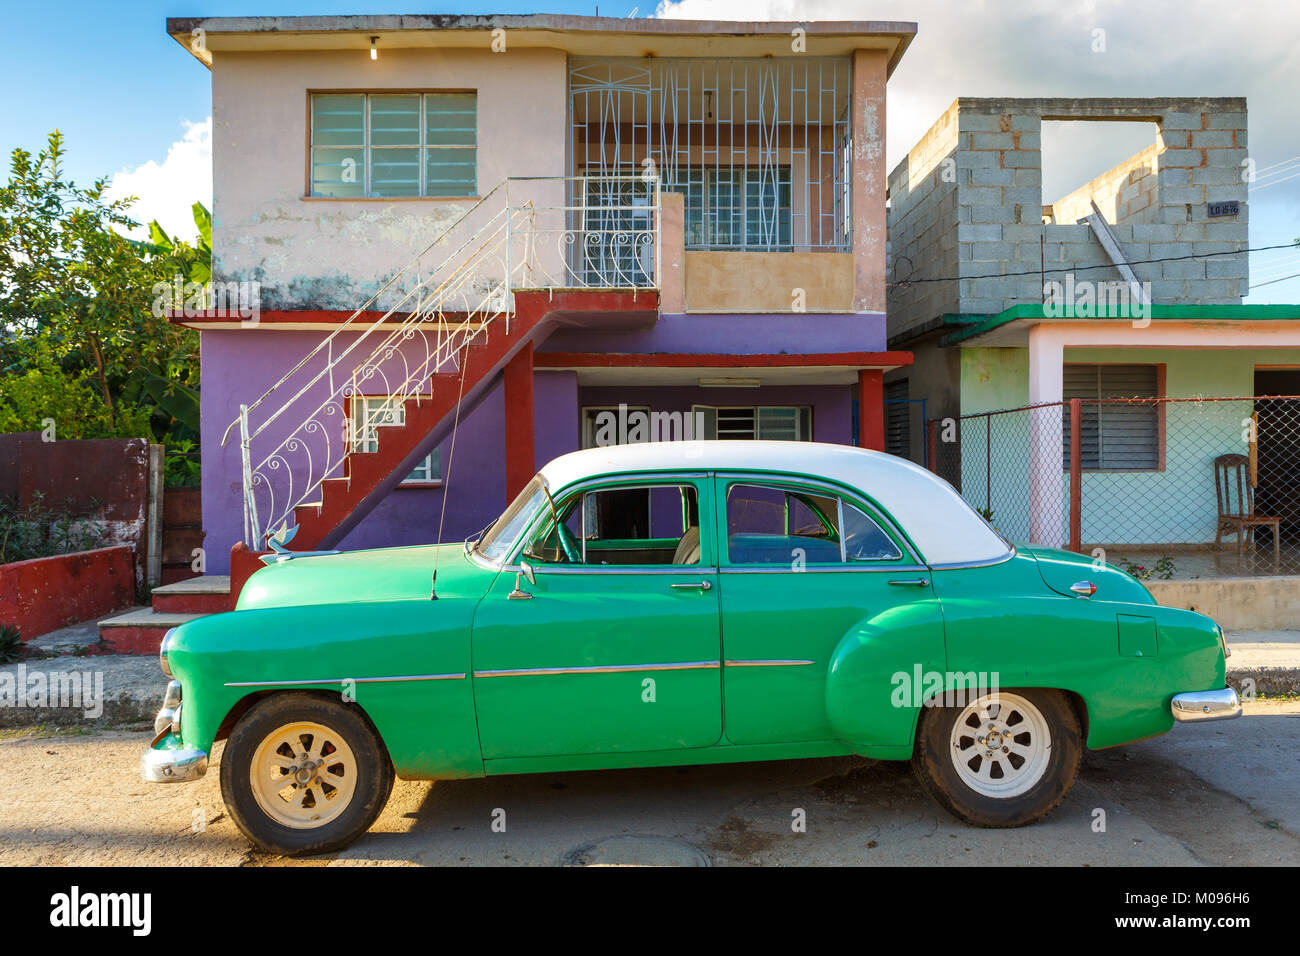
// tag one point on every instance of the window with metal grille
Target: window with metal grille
(760, 147)
(1114, 436)
(765, 422)
(734, 208)
(394, 144)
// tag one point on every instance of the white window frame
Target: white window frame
(801, 411)
(367, 150)
(588, 420)
(365, 437)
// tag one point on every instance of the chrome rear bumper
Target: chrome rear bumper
(1206, 705)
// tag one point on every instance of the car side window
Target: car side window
(864, 540)
(645, 525)
(769, 525)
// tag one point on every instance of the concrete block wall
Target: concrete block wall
(923, 202)
(992, 213)
(1125, 194)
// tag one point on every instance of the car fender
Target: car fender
(871, 700)
(406, 664)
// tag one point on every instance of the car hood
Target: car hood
(1061, 569)
(351, 577)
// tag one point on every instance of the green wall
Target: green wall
(1174, 505)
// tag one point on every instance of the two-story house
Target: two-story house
(480, 242)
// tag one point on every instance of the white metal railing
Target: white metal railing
(547, 233)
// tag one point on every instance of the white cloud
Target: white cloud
(1046, 48)
(166, 191)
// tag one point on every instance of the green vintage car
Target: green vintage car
(681, 603)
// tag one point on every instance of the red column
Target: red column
(871, 409)
(521, 462)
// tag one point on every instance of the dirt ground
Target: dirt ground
(1222, 793)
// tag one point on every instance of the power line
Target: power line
(1273, 183)
(1260, 285)
(1105, 265)
(1260, 169)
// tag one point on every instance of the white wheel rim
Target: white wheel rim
(1000, 745)
(303, 775)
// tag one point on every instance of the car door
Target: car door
(813, 579)
(616, 651)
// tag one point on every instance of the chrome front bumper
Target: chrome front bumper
(172, 766)
(1206, 705)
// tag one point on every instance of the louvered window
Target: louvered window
(1115, 436)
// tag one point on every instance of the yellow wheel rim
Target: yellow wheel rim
(303, 775)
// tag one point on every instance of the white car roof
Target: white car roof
(944, 527)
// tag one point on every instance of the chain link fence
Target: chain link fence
(1212, 475)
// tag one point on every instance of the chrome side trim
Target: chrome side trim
(822, 569)
(681, 570)
(340, 680)
(768, 663)
(1206, 705)
(987, 563)
(600, 669)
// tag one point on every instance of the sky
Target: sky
(135, 106)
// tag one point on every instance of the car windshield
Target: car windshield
(501, 535)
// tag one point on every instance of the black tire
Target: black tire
(936, 767)
(373, 780)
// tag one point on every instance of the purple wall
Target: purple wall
(784, 333)
(239, 364)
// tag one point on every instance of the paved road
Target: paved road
(1219, 793)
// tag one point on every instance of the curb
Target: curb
(1253, 681)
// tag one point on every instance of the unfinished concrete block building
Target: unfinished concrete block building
(1088, 358)
(971, 234)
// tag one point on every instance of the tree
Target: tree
(75, 294)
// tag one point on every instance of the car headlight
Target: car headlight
(162, 652)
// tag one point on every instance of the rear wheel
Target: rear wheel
(304, 774)
(1003, 759)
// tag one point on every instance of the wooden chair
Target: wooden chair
(1233, 471)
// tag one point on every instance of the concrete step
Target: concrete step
(208, 594)
(138, 631)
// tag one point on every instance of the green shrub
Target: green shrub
(11, 644)
(36, 531)
(29, 400)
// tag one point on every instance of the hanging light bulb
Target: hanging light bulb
(374, 54)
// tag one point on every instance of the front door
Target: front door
(806, 572)
(618, 647)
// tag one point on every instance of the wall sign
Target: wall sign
(1229, 208)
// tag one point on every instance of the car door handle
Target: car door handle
(693, 586)
(913, 582)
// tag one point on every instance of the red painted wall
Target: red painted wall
(45, 594)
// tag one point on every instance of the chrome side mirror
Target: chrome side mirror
(525, 571)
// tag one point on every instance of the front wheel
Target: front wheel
(1004, 759)
(304, 774)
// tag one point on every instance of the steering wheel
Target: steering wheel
(570, 546)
